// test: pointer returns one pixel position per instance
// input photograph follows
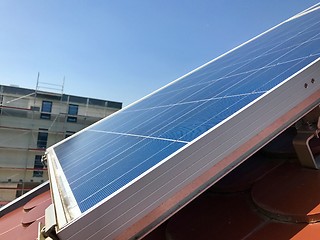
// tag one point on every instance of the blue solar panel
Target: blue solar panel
(111, 154)
(111, 162)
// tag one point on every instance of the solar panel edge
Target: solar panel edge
(207, 63)
(297, 80)
(306, 11)
(62, 195)
(260, 97)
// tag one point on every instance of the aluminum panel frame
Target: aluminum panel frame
(154, 197)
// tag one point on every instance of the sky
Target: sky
(122, 50)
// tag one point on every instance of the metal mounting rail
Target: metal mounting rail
(309, 129)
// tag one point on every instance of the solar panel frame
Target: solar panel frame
(283, 108)
(277, 109)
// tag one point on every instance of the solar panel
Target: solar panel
(122, 176)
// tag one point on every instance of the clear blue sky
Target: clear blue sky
(122, 50)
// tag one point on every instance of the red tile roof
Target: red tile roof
(289, 193)
(269, 196)
(22, 223)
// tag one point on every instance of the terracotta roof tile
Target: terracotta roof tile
(36, 213)
(289, 193)
(29, 232)
(10, 224)
(36, 201)
(255, 201)
(243, 177)
(280, 231)
(226, 216)
(23, 224)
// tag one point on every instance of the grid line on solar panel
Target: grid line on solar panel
(120, 169)
(140, 136)
(125, 145)
(166, 101)
(171, 118)
(306, 11)
(88, 166)
(216, 97)
(270, 64)
(241, 55)
(95, 144)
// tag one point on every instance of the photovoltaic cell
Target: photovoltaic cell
(112, 163)
(111, 154)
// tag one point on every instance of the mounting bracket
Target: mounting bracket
(309, 129)
(48, 232)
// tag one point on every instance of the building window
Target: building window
(72, 119)
(46, 109)
(42, 138)
(37, 166)
(69, 133)
(73, 110)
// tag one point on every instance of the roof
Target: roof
(270, 196)
(23, 222)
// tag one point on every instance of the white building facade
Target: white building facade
(32, 120)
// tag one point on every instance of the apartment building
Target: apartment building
(30, 121)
